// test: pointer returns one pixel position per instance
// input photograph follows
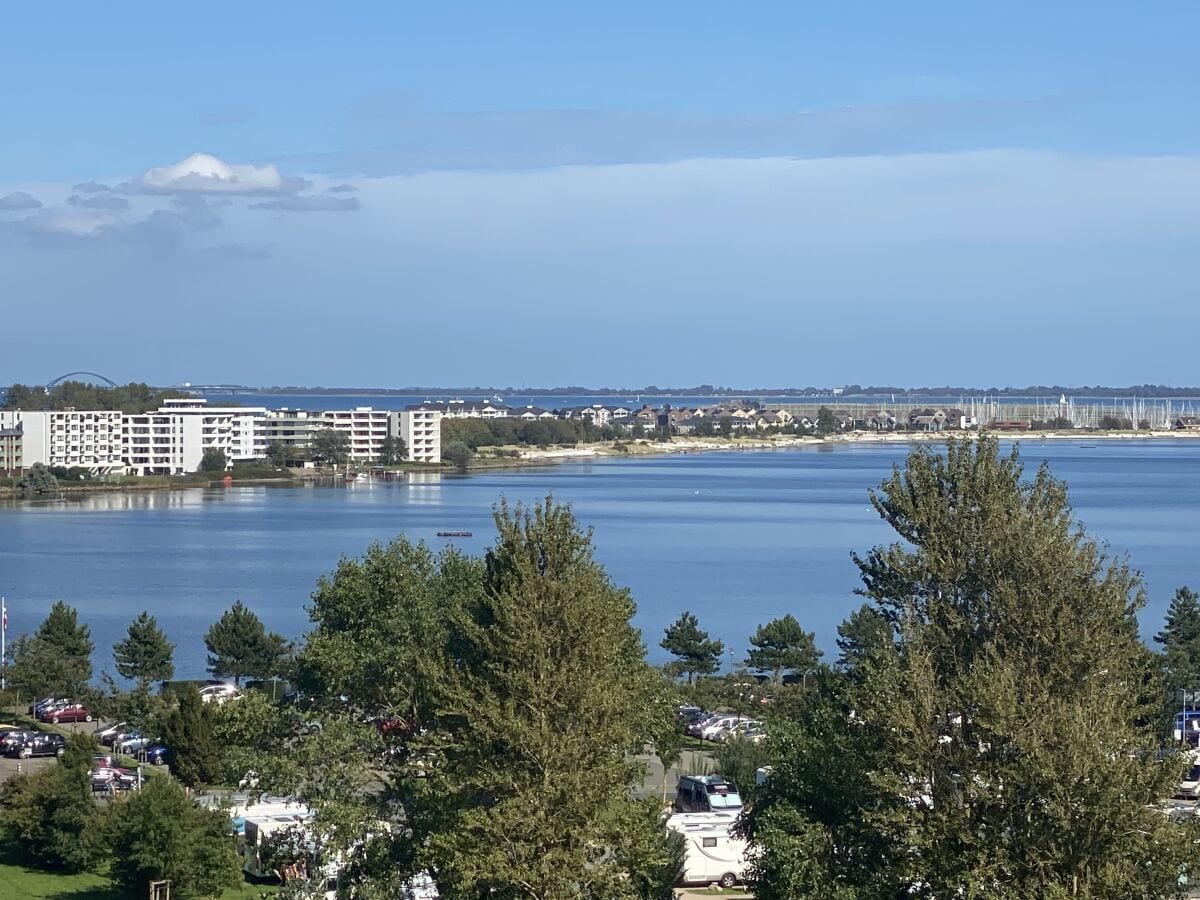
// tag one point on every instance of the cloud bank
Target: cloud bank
(18, 201)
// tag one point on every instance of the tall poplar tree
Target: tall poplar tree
(1007, 747)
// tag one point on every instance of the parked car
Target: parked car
(158, 754)
(737, 729)
(44, 706)
(132, 743)
(44, 702)
(715, 726)
(11, 739)
(219, 693)
(72, 712)
(106, 778)
(697, 726)
(106, 735)
(41, 744)
(755, 735)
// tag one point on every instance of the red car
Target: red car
(74, 712)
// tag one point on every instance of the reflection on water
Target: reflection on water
(737, 538)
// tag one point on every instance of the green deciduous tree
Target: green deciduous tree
(974, 763)
(189, 734)
(1180, 639)
(145, 655)
(278, 453)
(782, 645)
(239, 645)
(56, 659)
(158, 833)
(457, 454)
(694, 652)
(50, 817)
(392, 450)
(38, 480)
(214, 460)
(331, 446)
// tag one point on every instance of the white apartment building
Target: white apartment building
(163, 442)
(291, 428)
(420, 427)
(234, 429)
(366, 427)
(85, 439)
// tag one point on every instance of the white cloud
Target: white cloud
(204, 173)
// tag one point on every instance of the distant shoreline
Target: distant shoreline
(684, 445)
(680, 446)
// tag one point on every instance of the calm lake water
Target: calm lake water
(737, 538)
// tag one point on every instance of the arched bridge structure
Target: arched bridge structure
(61, 378)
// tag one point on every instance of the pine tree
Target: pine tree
(509, 692)
(782, 644)
(57, 659)
(1180, 639)
(864, 634)
(695, 653)
(550, 692)
(188, 732)
(1007, 747)
(145, 655)
(239, 645)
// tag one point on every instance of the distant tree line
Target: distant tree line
(131, 398)
(476, 433)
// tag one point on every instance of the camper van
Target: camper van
(712, 854)
(707, 794)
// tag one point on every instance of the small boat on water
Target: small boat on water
(454, 534)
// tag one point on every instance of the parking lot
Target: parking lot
(10, 767)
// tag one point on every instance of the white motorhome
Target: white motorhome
(712, 853)
(259, 828)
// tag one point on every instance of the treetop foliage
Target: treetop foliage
(507, 693)
(56, 659)
(130, 398)
(695, 653)
(239, 645)
(145, 654)
(1006, 746)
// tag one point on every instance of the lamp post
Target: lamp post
(730, 662)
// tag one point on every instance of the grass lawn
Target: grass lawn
(20, 883)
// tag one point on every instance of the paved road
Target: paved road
(662, 784)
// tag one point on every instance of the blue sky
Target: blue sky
(619, 194)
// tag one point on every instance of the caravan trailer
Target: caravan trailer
(712, 853)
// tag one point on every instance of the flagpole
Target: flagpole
(3, 648)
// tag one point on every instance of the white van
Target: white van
(712, 853)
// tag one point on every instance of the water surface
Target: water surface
(737, 538)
